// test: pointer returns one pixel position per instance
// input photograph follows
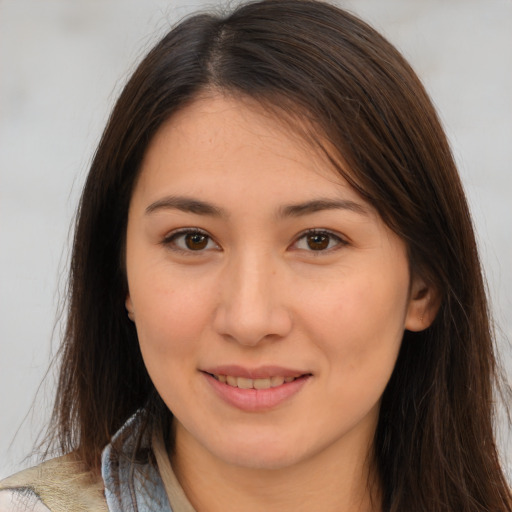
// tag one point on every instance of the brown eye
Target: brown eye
(196, 241)
(189, 241)
(318, 241)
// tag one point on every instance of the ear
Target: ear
(129, 308)
(424, 302)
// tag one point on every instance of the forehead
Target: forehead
(222, 138)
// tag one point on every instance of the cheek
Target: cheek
(170, 317)
(359, 326)
(170, 320)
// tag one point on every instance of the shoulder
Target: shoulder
(56, 485)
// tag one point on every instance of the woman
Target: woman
(275, 297)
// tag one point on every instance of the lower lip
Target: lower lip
(255, 400)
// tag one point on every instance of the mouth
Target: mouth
(256, 390)
(247, 383)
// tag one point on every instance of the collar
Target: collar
(137, 472)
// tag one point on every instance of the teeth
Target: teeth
(245, 383)
(262, 383)
(276, 381)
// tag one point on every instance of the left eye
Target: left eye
(318, 241)
(190, 240)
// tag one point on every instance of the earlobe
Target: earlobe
(129, 308)
(424, 302)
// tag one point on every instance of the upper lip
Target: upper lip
(261, 372)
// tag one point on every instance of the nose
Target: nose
(252, 306)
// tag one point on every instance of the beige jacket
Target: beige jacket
(59, 485)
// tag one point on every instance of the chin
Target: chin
(262, 459)
(260, 454)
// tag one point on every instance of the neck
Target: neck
(330, 481)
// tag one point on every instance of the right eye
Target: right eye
(190, 240)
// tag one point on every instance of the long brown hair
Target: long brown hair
(434, 448)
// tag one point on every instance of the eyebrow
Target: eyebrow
(317, 205)
(198, 207)
(186, 204)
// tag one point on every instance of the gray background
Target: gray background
(62, 64)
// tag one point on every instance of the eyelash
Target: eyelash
(170, 241)
(339, 241)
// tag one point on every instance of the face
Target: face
(269, 299)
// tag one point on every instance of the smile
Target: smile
(246, 383)
(255, 390)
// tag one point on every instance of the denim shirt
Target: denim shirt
(131, 485)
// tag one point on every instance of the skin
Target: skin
(257, 294)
